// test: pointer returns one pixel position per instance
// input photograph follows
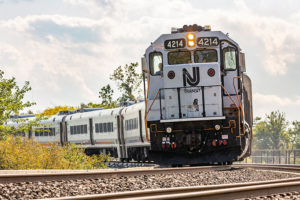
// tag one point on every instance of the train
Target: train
(197, 106)
(119, 132)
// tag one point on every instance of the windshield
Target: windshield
(229, 56)
(205, 56)
(156, 63)
(179, 57)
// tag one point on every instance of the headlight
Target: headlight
(217, 127)
(169, 130)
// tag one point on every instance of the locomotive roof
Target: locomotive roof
(159, 42)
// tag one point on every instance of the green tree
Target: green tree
(128, 82)
(11, 101)
(56, 109)
(294, 134)
(105, 94)
(271, 132)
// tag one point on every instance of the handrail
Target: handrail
(146, 103)
(153, 101)
(243, 117)
(251, 118)
(236, 107)
(229, 96)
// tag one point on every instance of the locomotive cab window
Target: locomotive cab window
(205, 56)
(179, 57)
(229, 56)
(156, 66)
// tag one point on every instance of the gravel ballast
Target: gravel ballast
(282, 196)
(48, 189)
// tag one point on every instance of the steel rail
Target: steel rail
(46, 175)
(288, 168)
(94, 174)
(224, 191)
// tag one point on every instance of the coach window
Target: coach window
(85, 128)
(46, 131)
(206, 56)
(179, 57)
(156, 66)
(229, 56)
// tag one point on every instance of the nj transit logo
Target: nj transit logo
(191, 80)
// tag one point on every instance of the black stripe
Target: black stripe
(179, 103)
(141, 127)
(203, 101)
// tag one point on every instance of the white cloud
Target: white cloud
(57, 63)
(24, 23)
(266, 103)
(272, 33)
(270, 99)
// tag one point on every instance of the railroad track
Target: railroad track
(56, 175)
(224, 192)
(50, 175)
(120, 165)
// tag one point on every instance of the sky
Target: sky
(67, 49)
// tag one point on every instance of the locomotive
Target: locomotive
(197, 107)
(198, 98)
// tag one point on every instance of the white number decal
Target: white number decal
(169, 44)
(215, 41)
(208, 41)
(180, 43)
(174, 44)
(201, 42)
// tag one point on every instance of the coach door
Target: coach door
(63, 131)
(141, 126)
(30, 132)
(230, 67)
(91, 131)
(121, 139)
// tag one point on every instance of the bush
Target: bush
(22, 153)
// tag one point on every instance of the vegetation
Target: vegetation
(105, 94)
(11, 97)
(22, 153)
(11, 103)
(91, 105)
(275, 132)
(128, 82)
(56, 109)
